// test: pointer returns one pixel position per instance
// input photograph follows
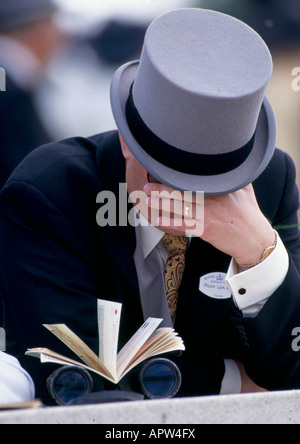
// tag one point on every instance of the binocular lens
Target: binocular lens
(68, 383)
(157, 378)
(160, 378)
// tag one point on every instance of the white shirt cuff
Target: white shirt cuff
(232, 381)
(252, 288)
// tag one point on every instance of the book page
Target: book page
(109, 316)
(135, 343)
(75, 344)
(48, 356)
(145, 343)
(163, 340)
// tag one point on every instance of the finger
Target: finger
(157, 188)
(188, 227)
(160, 190)
(177, 208)
(167, 206)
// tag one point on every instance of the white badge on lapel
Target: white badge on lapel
(214, 286)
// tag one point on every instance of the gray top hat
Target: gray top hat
(14, 13)
(193, 109)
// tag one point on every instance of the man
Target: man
(192, 117)
(28, 39)
(15, 384)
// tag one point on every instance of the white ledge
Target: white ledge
(262, 408)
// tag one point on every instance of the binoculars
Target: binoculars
(157, 378)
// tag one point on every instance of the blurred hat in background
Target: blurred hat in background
(14, 13)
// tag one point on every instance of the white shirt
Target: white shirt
(259, 282)
(15, 383)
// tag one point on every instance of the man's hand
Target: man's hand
(233, 223)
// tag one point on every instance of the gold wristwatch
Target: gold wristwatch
(266, 254)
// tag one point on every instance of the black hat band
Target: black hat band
(179, 160)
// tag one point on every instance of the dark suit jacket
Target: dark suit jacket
(21, 129)
(55, 262)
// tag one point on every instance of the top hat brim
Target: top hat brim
(259, 158)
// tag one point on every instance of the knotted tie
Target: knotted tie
(174, 269)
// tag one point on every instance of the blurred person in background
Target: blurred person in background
(28, 40)
(75, 100)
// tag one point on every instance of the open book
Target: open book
(148, 341)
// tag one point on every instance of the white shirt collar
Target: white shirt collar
(148, 236)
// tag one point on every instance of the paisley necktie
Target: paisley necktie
(174, 269)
